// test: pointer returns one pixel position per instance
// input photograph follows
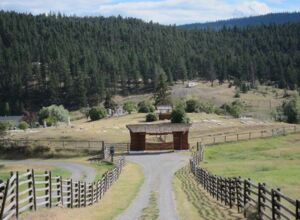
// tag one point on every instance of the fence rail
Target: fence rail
(246, 195)
(56, 144)
(223, 138)
(30, 191)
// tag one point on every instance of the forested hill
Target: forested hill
(74, 61)
(274, 18)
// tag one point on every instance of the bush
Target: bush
(237, 94)
(86, 112)
(23, 125)
(58, 113)
(178, 115)
(192, 105)
(151, 117)
(207, 107)
(129, 106)
(145, 107)
(3, 127)
(235, 108)
(97, 113)
(291, 110)
(50, 121)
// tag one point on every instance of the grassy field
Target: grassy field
(39, 169)
(115, 201)
(274, 161)
(193, 202)
(113, 130)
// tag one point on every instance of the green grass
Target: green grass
(151, 212)
(274, 161)
(55, 171)
(101, 168)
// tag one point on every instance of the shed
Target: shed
(164, 111)
(179, 132)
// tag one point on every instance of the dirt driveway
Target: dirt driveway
(158, 170)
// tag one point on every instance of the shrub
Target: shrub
(237, 94)
(145, 107)
(192, 105)
(23, 125)
(3, 127)
(291, 110)
(50, 121)
(129, 106)
(97, 113)
(151, 117)
(235, 108)
(58, 113)
(207, 107)
(178, 115)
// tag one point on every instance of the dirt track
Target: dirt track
(158, 170)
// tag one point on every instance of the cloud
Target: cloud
(162, 11)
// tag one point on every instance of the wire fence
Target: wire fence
(234, 137)
(31, 191)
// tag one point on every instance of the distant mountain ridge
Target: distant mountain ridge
(277, 18)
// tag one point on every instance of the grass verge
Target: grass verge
(274, 161)
(193, 203)
(115, 201)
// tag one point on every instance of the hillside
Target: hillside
(273, 18)
(75, 61)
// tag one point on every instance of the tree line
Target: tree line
(76, 62)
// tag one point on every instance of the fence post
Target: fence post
(245, 196)
(259, 197)
(278, 200)
(230, 193)
(273, 204)
(225, 139)
(71, 193)
(17, 194)
(33, 188)
(61, 191)
(297, 209)
(237, 137)
(46, 188)
(4, 200)
(84, 194)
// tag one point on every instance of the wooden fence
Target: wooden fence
(30, 191)
(54, 143)
(245, 195)
(223, 138)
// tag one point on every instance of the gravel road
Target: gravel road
(158, 170)
(77, 170)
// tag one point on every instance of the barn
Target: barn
(163, 136)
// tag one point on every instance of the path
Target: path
(158, 170)
(77, 170)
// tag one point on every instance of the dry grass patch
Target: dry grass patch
(194, 203)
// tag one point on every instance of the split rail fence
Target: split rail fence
(245, 195)
(30, 191)
(233, 137)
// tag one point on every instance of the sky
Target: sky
(161, 11)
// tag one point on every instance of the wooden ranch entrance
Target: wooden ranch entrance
(178, 141)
